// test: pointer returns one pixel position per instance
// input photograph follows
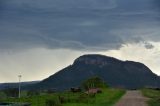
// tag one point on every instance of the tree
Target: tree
(93, 82)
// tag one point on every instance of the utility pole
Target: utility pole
(19, 76)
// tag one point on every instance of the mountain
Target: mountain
(16, 84)
(116, 73)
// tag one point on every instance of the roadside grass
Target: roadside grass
(108, 97)
(154, 96)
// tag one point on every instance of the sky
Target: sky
(41, 37)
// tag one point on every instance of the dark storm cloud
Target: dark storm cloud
(157, 3)
(80, 24)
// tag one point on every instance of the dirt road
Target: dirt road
(132, 98)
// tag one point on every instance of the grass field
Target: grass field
(107, 98)
(154, 96)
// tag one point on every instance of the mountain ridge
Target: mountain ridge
(114, 72)
(16, 84)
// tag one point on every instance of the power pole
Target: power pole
(19, 76)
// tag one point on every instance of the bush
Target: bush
(83, 98)
(62, 99)
(53, 102)
(3, 95)
(11, 92)
(33, 93)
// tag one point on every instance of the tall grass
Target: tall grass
(107, 98)
(154, 96)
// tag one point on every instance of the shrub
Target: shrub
(11, 92)
(62, 99)
(33, 93)
(53, 102)
(83, 98)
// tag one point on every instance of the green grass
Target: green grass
(34, 100)
(154, 96)
(107, 98)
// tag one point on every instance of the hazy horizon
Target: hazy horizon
(39, 38)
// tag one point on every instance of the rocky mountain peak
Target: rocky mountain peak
(95, 59)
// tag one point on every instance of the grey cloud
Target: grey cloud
(157, 3)
(148, 45)
(80, 25)
(60, 4)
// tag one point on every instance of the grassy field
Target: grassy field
(107, 98)
(154, 96)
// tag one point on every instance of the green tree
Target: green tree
(93, 82)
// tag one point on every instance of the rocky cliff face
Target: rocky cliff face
(95, 60)
(116, 73)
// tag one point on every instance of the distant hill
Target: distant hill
(15, 85)
(116, 73)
